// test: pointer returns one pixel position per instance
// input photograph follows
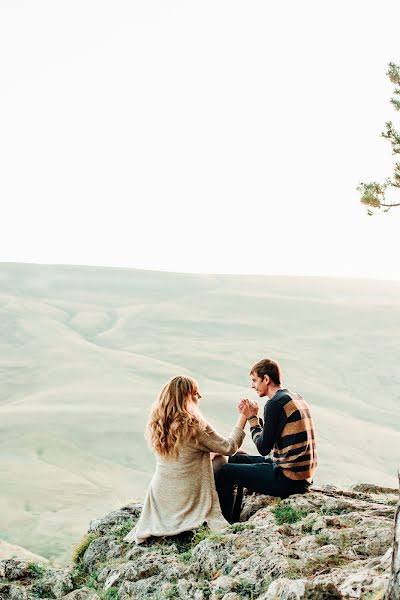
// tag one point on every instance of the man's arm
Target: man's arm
(267, 435)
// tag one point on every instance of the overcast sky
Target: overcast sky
(199, 136)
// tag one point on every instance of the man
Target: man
(287, 430)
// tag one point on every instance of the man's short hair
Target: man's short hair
(269, 367)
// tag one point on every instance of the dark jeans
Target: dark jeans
(257, 474)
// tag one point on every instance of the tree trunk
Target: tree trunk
(393, 592)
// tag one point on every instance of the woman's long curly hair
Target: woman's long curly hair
(175, 417)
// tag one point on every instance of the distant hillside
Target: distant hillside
(85, 350)
(8, 551)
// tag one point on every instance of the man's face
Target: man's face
(259, 385)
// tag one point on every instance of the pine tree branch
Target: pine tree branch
(373, 193)
(393, 136)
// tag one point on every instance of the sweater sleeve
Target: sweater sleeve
(211, 441)
(268, 434)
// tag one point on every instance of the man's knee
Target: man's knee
(225, 473)
(246, 459)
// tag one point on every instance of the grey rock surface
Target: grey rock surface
(326, 544)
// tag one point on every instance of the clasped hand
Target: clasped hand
(248, 408)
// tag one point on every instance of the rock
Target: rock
(133, 571)
(332, 544)
(373, 489)
(84, 593)
(321, 591)
(285, 589)
(386, 560)
(100, 550)
(141, 589)
(394, 583)
(253, 503)
(362, 582)
(224, 582)
(115, 519)
(14, 569)
(213, 556)
(54, 584)
(328, 551)
(12, 592)
(353, 581)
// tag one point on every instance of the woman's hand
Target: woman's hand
(248, 408)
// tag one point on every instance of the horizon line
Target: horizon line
(206, 273)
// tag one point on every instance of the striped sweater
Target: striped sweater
(288, 430)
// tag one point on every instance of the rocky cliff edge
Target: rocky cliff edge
(326, 544)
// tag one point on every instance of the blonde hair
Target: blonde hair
(174, 418)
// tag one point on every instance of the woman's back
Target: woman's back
(182, 495)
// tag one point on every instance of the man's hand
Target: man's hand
(248, 408)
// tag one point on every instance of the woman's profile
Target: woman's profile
(182, 495)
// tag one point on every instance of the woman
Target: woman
(182, 493)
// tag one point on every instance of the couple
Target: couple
(183, 493)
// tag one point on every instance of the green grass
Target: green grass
(79, 575)
(295, 568)
(186, 557)
(36, 569)
(205, 587)
(91, 582)
(307, 527)
(83, 576)
(200, 534)
(110, 594)
(81, 548)
(249, 590)
(125, 528)
(171, 593)
(287, 514)
(186, 541)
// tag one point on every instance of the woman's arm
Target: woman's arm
(211, 441)
(241, 422)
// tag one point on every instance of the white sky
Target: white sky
(200, 136)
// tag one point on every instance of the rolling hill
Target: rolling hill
(84, 351)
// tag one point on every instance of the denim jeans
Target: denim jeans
(257, 474)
